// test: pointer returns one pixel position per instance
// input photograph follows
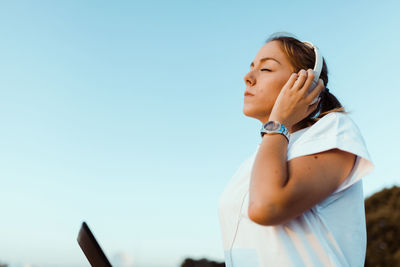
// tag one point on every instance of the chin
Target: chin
(248, 112)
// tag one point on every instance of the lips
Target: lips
(247, 94)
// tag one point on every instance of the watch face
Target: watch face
(272, 126)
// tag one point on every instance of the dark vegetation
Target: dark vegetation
(382, 211)
(201, 263)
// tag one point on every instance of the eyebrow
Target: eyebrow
(264, 59)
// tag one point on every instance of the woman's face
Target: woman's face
(265, 80)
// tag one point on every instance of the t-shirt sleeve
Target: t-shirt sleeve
(335, 130)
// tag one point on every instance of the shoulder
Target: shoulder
(335, 130)
(333, 124)
(326, 141)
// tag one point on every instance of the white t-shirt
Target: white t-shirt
(332, 233)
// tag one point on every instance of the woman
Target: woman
(298, 200)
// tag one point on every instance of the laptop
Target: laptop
(91, 248)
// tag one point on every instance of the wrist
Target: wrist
(275, 127)
(276, 135)
(281, 120)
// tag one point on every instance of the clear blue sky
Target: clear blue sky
(128, 114)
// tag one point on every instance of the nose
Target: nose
(249, 79)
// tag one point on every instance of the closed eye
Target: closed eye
(265, 69)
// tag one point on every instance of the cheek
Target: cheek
(268, 96)
(272, 87)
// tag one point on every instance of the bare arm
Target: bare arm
(280, 190)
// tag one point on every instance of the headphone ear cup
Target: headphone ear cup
(318, 112)
(312, 86)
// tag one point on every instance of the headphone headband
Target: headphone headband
(318, 59)
(317, 70)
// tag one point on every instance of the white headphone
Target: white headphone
(317, 68)
(237, 226)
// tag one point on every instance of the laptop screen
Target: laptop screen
(91, 248)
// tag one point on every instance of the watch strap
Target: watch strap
(281, 130)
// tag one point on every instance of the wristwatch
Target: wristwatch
(272, 127)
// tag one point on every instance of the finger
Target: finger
(291, 81)
(316, 92)
(308, 82)
(300, 80)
